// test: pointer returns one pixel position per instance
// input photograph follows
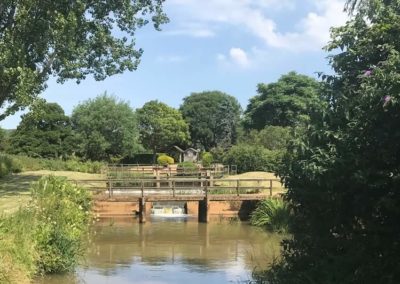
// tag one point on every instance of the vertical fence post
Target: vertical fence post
(237, 187)
(270, 187)
(109, 188)
(206, 189)
(142, 188)
(173, 188)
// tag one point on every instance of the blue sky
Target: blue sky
(226, 45)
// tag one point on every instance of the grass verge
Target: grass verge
(47, 235)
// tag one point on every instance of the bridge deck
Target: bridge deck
(155, 198)
(183, 189)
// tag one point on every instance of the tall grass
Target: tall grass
(18, 163)
(8, 165)
(18, 255)
(272, 214)
(47, 236)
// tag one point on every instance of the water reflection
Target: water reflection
(162, 251)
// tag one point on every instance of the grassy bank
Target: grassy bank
(47, 235)
(17, 163)
(14, 189)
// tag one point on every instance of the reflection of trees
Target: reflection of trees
(199, 247)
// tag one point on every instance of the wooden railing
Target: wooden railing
(121, 171)
(182, 186)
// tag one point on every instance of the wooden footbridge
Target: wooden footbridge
(203, 190)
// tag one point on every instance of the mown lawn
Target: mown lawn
(14, 189)
(277, 186)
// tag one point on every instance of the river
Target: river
(172, 251)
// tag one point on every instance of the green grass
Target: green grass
(272, 214)
(277, 186)
(14, 189)
(45, 236)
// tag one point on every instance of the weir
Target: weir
(169, 196)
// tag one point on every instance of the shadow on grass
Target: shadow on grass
(13, 185)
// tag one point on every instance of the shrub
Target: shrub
(218, 154)
(62, 216)
(9, 165)
(272, 214)
(253, 158)
(187, 169)
(46, 237)
(5, 165)
(24, 163)
(207, 159)
(165, 160)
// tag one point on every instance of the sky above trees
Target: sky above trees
(223, 45)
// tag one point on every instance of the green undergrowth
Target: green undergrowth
(48, 235)
(19, 163)
(272, 214)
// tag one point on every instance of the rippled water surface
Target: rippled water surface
(172, 251)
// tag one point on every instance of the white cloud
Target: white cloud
(192, 29)
(236, 57)
(309, 33)
(239, 57)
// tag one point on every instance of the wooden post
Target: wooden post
(170, 183)
(158, 178)
(203, 211)
(270, 187)
(237, 187)
(109, 188)
(142, 210)
(173, 188)
(142, 189)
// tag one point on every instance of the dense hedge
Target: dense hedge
(253, 158)
(47, 236)
(187, 169)
(16, 163)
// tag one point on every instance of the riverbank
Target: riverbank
(14, 188)
(46, 235)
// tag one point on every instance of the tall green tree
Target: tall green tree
(271, 137)
(161, 127)
(344, 174)
(44, 132)
(213, 118)
(107, 128)
(68, 40)
(283, 103)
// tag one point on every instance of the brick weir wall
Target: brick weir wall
(216, 209)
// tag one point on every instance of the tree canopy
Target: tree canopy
(271, 137)
(161, 126)
(213, 117)
(283, 103)
(107, 128)
(344, 174)
(68, 40)
(44, 132)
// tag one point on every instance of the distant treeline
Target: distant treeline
(108, 129)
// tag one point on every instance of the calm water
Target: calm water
(172, 251)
